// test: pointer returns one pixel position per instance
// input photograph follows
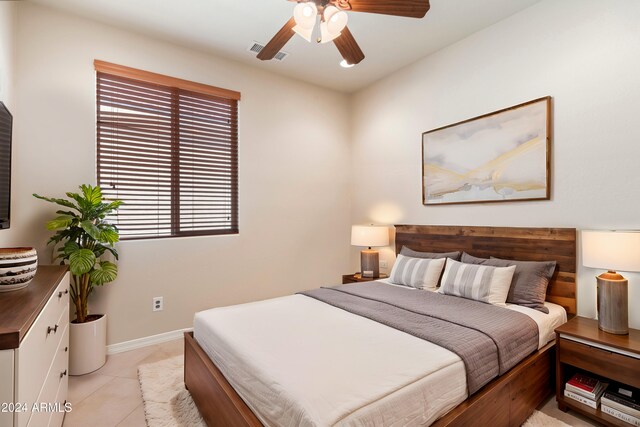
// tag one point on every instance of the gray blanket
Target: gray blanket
(490, 340)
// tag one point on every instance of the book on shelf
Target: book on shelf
(580, 398)
(583, 381)
(634, 421)
(586, 386)
(619, 406)
(623, 398)
(593, 396)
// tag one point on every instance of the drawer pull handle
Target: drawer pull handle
(66, 291)
(52, 329)
(62, 374)
(66, 349)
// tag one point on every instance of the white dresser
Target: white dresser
(34, 351)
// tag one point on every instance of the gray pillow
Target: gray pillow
(432, 255)
(530, 280)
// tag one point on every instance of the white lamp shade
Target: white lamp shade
(611, 250)
(334, 22)
(305, 15)
(369, 235)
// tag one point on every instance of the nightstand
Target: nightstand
(357, 277)
(581, 346)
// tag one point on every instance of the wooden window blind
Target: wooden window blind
(168, 148)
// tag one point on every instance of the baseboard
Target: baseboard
(146, 341)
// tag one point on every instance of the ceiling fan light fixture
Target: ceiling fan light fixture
(305, 15)
(334, 21)
(345, 64)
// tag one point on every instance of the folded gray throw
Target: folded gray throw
(490, 340)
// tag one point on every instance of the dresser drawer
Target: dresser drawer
(615, 366)
(57, 418)
(37, 350)
(56, 377)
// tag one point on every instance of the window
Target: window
(168, 148)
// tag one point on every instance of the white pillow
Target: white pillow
(478, 282)
(420, 273)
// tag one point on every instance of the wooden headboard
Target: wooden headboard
(526, 244)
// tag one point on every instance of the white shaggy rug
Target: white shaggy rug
(168, 404)
(540, 419)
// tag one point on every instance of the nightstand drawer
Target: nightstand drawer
(611, 365)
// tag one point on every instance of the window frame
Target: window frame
(177, 87)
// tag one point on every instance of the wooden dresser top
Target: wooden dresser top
(19, 309)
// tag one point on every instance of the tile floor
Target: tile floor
(110, 397)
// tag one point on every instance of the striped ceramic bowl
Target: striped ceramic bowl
(17, 268)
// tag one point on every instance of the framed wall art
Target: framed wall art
(500, 156)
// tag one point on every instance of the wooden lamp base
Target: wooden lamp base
(613, 303)
(369, 263)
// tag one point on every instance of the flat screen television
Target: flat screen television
(6, 123)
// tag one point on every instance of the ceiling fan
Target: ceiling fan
(333, 23)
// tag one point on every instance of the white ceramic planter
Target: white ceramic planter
(87, 346)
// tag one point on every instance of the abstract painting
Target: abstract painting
(500, 156)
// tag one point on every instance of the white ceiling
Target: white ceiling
(227, 27)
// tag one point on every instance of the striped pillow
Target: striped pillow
(478, 282)
(417, 272)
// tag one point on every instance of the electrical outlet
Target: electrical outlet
(158, 303)
(383, 264)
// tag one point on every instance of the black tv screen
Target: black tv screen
(6, 122)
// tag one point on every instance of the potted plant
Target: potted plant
(83, 238)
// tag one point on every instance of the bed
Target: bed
(287, 379)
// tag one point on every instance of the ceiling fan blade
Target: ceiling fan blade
(408, 8)
(348, 47)
(278, 41)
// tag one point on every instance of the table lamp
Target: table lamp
(369, 235)
(612, 250)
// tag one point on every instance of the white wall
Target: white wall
(293, 160)
(585, 54)
(8, 16)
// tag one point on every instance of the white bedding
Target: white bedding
(299, 362)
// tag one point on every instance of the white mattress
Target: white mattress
(299, 362)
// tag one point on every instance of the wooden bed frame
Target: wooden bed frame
(506, 401)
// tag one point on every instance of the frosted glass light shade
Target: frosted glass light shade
(335, 18)
(611, 250)
(334, 22)
(305, 14)
(369, 235)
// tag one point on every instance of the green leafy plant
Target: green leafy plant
(84, 237)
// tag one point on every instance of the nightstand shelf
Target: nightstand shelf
(581, 346)
(357, 277)
(595, 414)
